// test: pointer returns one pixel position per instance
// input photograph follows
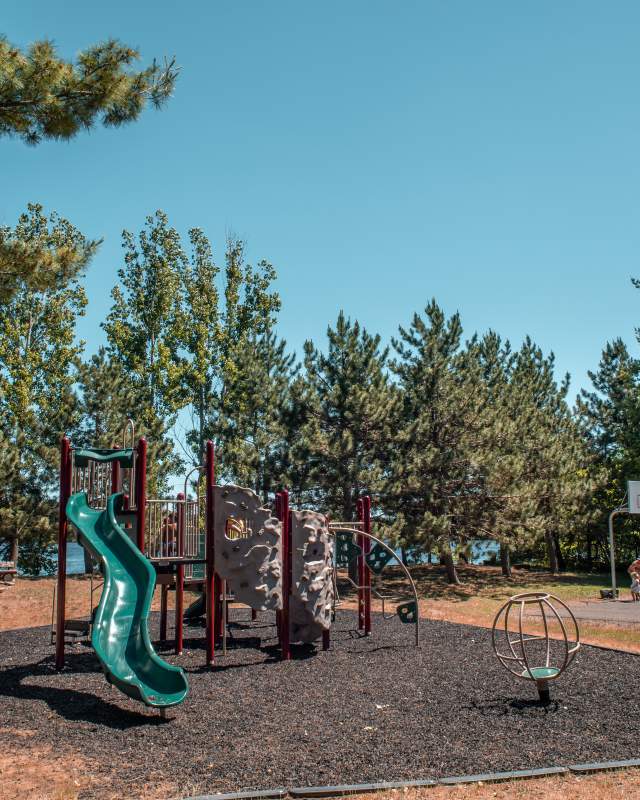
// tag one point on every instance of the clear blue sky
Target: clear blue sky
(378, 153)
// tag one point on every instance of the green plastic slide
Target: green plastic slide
(120, 635)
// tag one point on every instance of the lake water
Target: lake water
(481, 551)
(75, 559)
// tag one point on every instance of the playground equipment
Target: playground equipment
(120, 635)
(223, 542)
(8, 574)
(540, 657)
(355, 542)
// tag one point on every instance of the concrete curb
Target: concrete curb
(365, 788)
(356, 788)
(602, 766)
(511, 775)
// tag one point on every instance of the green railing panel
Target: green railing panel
(124, 457)
(346, 550)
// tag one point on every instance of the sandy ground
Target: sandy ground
(604, 786)
(40, 773)
(29, 602)
(28, 773)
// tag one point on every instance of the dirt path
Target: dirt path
(603, 786)
(29, 602)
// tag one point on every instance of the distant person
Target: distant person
(169, 534)
(635, 587)
(634, 566)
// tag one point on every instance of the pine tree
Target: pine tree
(435, 475)
(344, 405)
(499, 451)
(557, 461)
(253, 439)
(107, 398)
(42, 96)
(610, 419)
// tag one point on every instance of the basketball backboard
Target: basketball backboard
(633, 489)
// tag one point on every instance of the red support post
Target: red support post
(180, 575)
(164, 591)
(286, 574)
(366, 514)
(65, 493)
(360, 563)
(209, 586)
(278, 513)
(141, 492)
(220, 587)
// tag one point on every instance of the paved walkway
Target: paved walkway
(621, 611)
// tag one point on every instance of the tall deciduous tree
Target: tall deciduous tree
(43, 96)
(225, 332)
(41, 253)
(37, 350)
(143, 325)
(253, 435)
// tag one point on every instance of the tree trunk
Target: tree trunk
(447, 560)
(589, 553)
(551, 554)
(505, 559)
(88, 563)
(13, 550)
(562, 564)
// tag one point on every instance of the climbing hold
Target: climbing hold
(408, 612)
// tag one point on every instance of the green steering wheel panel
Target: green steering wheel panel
(378, 558)
(407, 612)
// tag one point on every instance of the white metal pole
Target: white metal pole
(612, 552)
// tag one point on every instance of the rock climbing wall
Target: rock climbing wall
(312, 571)
(248, 547)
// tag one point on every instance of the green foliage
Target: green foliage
(41, 253)
(341, 414)
(435, 472)
(37, 555)
(37, 350)
(106, 400)
(141, 327)
(610, 420)
(235, 372)
(43, 96)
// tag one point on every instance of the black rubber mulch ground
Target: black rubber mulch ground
(367, 710)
